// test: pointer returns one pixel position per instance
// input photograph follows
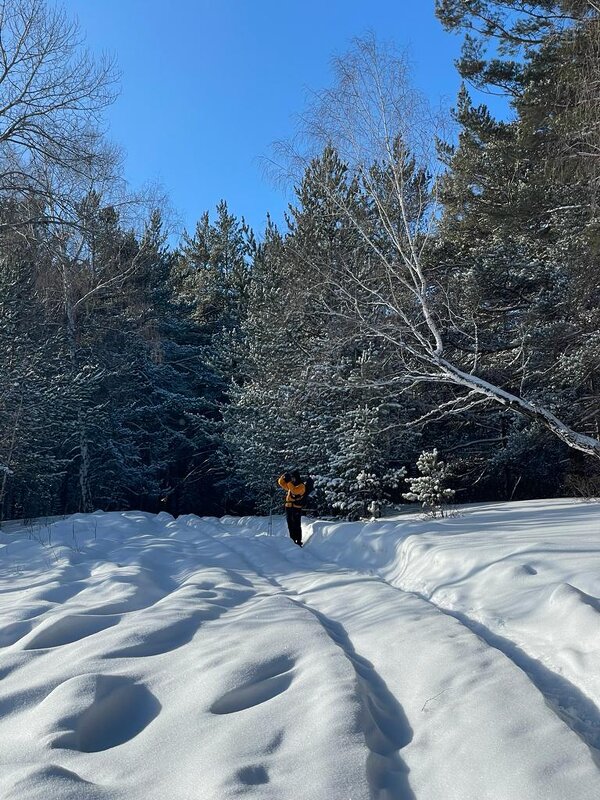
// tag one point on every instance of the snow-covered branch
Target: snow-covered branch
(373, 118)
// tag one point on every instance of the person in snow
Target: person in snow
(295, 489)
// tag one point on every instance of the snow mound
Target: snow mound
(144, 658)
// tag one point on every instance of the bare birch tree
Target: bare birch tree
(52, 94)
(385, 133)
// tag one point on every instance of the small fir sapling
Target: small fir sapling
(428, 489)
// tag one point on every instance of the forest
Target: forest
(435, 286)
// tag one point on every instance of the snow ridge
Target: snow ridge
(155, 658)
(383, 722)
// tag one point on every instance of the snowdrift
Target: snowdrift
(147, 657)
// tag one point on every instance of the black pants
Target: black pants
(294, 523)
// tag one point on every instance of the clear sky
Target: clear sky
(208, 85)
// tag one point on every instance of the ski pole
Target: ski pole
(271, 497)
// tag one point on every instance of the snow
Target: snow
(149, 657)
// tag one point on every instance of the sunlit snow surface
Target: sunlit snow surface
(201, 659)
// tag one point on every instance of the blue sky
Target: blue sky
(208, 85)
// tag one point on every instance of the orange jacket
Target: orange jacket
(295, 492)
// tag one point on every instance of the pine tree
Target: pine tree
(361, 479)
(520, 222)
(301, 397)
(428, 488)
(215, 270)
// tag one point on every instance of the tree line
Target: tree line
(434, 286)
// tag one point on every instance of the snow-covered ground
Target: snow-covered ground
(201, 659)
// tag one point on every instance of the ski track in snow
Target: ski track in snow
(566, 699)
(384, 725)
(79, 708)
(200, 659)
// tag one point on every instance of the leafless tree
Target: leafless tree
(54, 157)
(52, 94)
(385, 133)
(578, 96)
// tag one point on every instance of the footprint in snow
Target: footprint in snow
(68, 629)
(11, 633)
(528, 569)
(253, 775)
(60, 593)
(106, 711)
(158, 639)
(266, 682)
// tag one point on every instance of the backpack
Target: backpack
(309, 485)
